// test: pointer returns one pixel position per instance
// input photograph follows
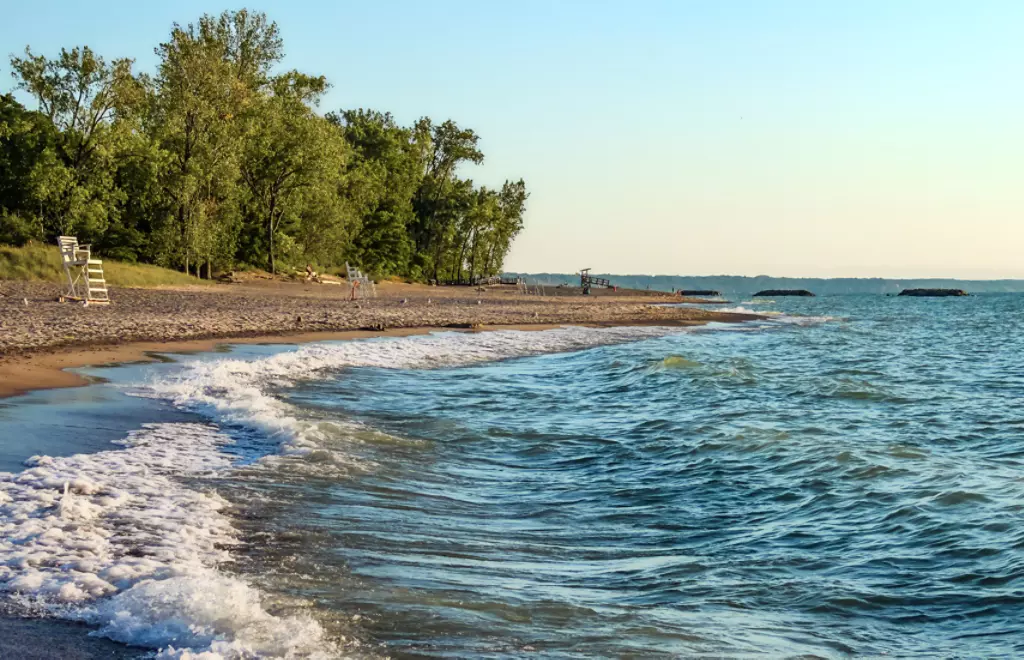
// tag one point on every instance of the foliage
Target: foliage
(215, 162)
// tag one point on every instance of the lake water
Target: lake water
(844, 478)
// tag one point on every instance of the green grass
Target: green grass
(41, 263)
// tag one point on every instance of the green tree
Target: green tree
(27, 139)
(508, 224)
(384, 172)
(442, 197)
(292, 159)
(80, 94)
(210, 74)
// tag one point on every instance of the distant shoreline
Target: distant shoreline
(41, 340)
(742, 285)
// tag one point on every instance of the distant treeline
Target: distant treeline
(220, 159)
(734, 285)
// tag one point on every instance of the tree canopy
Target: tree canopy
(220, 158)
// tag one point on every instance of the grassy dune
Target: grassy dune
(41, 263)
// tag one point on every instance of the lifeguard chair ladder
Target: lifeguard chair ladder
(362, 286)
(83, 275)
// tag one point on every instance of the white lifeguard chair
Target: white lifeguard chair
(83, 275)
(362, 286)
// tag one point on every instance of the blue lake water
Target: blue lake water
(845, 478)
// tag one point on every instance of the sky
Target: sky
(697, 137)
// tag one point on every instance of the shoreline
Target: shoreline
(30, 372)
(40, 339)
(206, 322)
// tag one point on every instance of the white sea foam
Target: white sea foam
(120, 540)
(115, 539)
(777, 316)
(238, 391)
(740, 309)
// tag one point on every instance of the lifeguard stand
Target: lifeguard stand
(362, 285)
(587, 281)
(83, 275)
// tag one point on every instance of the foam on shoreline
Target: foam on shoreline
(240, 391)
(124, 541)
(115, 539)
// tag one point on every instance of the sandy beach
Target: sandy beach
(40, 337)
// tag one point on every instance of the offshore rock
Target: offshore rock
(772, 293)
(933, 293)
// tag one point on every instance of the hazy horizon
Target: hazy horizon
(876, 139)
(596, 272)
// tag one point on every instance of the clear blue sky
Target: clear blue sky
(876, 137)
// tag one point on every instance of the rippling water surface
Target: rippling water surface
(844, 479)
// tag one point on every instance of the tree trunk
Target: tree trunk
(270, 262)
(270, 236)
(490, 256)
(472, 258)
(462, 259)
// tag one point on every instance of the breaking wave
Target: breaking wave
(115, 539)
(125, 540)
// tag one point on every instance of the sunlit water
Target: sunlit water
(845, 479)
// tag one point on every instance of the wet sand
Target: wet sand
(46, 639)
(40, 338)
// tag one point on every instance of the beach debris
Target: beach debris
(26, 301)
(478, 302)
(298, 320)
(310, 274)
(405, 300)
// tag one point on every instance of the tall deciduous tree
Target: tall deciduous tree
(80, 94)
(384, 172)
(292, 157)
(27, 142)
(211, 72)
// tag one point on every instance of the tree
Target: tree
(441, 195)
(384, 172)
(509, 222)
(80, 94)
(210, 73)
(27, 141)
(291, 158)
